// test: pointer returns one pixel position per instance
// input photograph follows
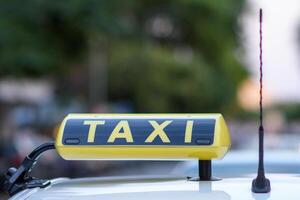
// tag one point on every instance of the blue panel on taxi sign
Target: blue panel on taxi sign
(76, 131)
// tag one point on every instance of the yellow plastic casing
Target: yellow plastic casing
(217, 150)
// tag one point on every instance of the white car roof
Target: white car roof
(283, 186)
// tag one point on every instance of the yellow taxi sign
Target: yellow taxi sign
(142, 136)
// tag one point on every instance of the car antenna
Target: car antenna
(261, 184)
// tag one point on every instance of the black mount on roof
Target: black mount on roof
(261, 184)
(15, 180)
(204, 172)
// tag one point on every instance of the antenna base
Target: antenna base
(261, 185)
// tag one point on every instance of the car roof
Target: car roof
(160, 188)
(232, 186)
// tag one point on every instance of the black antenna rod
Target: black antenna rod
(261, 184)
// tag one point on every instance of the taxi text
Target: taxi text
(123, 131)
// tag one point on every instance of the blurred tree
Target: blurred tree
(163, 55)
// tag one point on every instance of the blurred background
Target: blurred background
(166, 56)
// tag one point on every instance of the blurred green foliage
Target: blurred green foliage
(291, 111)
(162, 55)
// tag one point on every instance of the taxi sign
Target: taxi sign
(142, 136)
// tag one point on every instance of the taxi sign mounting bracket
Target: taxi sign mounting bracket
(204, 172)
(15, 180)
